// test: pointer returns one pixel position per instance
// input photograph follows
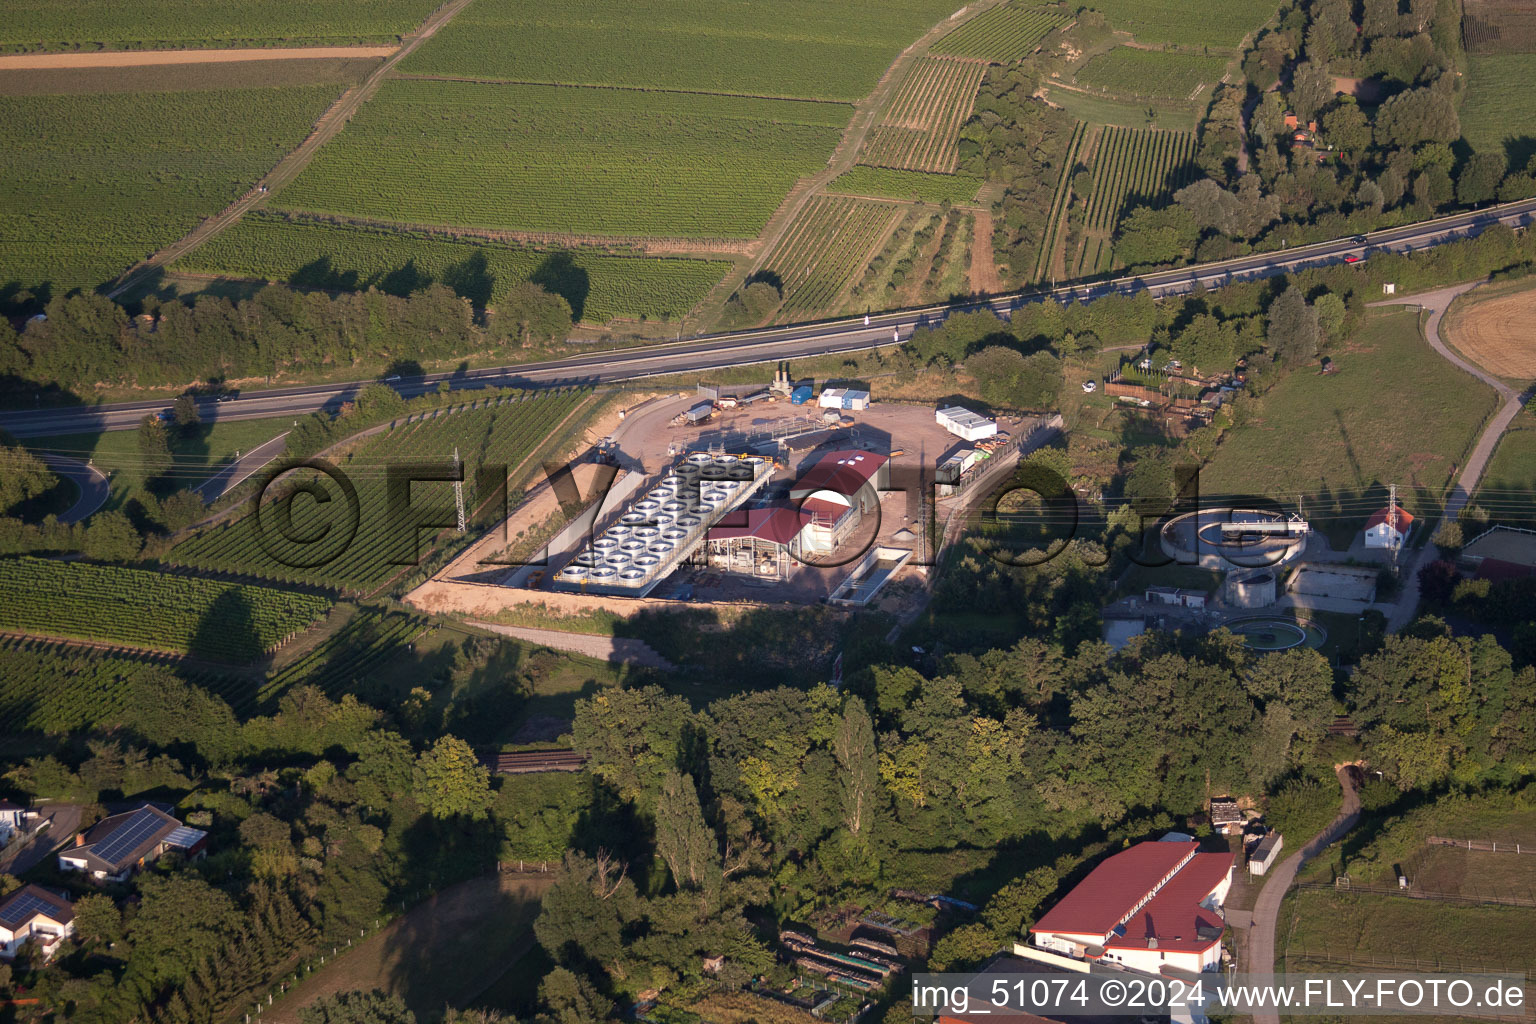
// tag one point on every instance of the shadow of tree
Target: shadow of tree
(560, 275)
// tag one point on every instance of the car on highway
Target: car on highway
(1353, 257)
(392, 378)
(227, 396)
(1359, 239)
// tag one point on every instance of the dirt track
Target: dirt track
(149, 58)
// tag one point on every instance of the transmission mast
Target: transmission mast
(1392, 521)
(458, 488)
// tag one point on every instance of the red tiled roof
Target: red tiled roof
(777, 523)
(828, 507)
(1404, 520)
(843, 472)
(1102, 900)
(1498, 570)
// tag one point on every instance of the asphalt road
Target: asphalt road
(237, 472)
(791, 342)
(90, 482)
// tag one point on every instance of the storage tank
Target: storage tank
(1252, 588)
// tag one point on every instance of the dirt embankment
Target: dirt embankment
(150, 58)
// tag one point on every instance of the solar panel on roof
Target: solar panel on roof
(23, 907)
(128, 835)
(184, 838)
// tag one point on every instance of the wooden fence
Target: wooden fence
(1486, 845)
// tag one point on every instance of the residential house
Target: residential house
(1388, 528)
(13, 818)
(37, 915)
(114, 847)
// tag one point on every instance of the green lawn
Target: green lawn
(1395, 413)
(1174, 21)
(1496, 113)
(1508, 487)
(198, 453)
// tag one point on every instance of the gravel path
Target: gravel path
(605, 648)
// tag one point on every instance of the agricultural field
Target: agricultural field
(183, 614)
(831, 241)
(1003, 35)
(1046, 264)
(195, 24)
(801, 48)
(90, 183)
(1491, 327)
(1498, 26)
(311, 253)
(253, 74)
(1131, 167)
(361, 559)
(889, 183)
(1169, 115)
(1215, 26)
(922, 125)
(364, 643)
(1496, 113)
(1127, 71)
(1330, 438)
(551, 159)
(54, 688)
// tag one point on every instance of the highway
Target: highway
(796, 341)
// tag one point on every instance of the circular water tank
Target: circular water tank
(632, 518)
(675, 507)
(619, 530)
(671, 480)
(700, 459)
(726, 461)
(661, 518)
(703, 508)
(646, 532)
(688, 469)
(603, 572)
(605, 543)
(674, 533)
(647, 505)
(574, 573)
(616, 558)
(661, 493)
(715, 497)
(633, 546)
(661, 547)
(585, 558)
(647, 561)
(631, 575)
(688, 522)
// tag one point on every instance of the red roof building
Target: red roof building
(1388, 528)
(846, 473)
(1151, 906)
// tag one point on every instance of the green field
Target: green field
(174, 24)
(245, 74)
(1130, 168)
(197, 454)
(1217, 26)
(1127, 71)
(183, 614)
(308, 253)
(1334, 439)
(362, 551)
(89, 184)
(895, 184)
(1390, 928)
(1171, 115)
(552, 159)
(1003, 35)
(823, 249)
(800, 48)
(1497, 115)
(1508, 487)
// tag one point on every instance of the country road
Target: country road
(795, 341)
(88, 480)
(288, 168)
(1436, 303)
(1266, 912)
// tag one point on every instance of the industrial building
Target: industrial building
(847, 399)
(963, 423)
(1154, 905)
(1264, 852)
(666, 526)
(1388, 528)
